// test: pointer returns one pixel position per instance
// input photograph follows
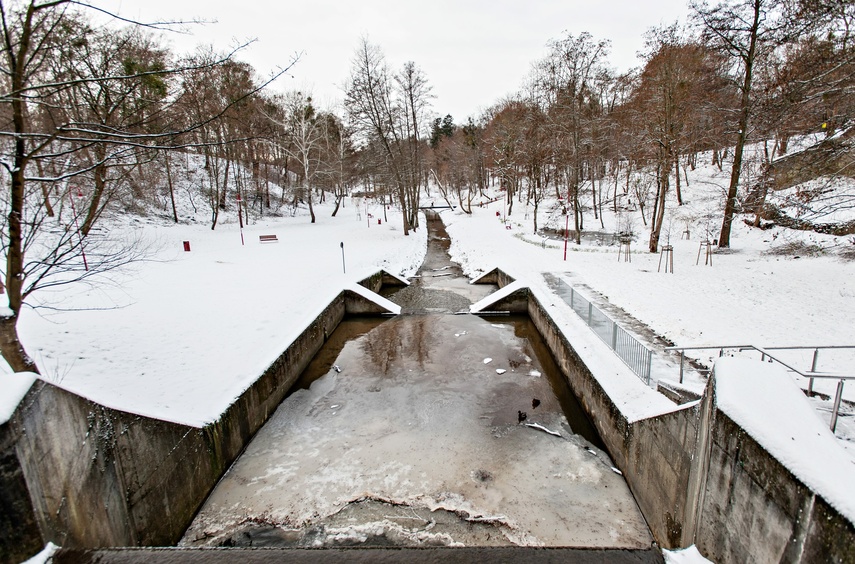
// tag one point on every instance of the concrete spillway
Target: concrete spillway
(429, 429)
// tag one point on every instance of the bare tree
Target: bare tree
(305, 135)
(48, 149)
(567, 79)
(387, 113)
(747, 31)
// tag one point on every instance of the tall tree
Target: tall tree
(679, 77)
(747, 31)
(567, 80)
(388, 111)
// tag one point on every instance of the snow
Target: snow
(690, 555)
(181, 336)
(43, 556)
(13, 388)
(760, 398)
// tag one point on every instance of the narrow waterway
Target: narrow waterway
(431, 428)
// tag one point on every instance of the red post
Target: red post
(186, 246)
(566, 233)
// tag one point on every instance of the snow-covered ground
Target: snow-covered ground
(181, 336)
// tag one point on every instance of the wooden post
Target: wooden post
(668, 253)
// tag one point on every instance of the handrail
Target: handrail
(810, 374)
(630, 350)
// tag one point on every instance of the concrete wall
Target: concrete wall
(754, 508)
(83, 475)
(700, 479)
(98, 477)
(495, 276)
(19, 532)
(655, 455)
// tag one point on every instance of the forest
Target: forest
(96, 118)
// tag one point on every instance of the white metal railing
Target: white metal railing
(634, 354)
(809, 374)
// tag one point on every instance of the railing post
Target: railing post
(812, 369)
(682, 354)
(836, 408)
(614, 336)
(649, 366)
(590, 312)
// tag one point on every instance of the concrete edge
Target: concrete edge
(512, 298)
(382, 278)
(362, 301)
(495, 276)
(415, 555)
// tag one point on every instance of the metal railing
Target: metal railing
(809, 374)
(634, 354)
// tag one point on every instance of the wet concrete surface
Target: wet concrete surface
(425, 430)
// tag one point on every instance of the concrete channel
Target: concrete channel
(427, 429)
(95, 480)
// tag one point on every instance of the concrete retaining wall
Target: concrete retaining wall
(99, 477)
(19, 532)
(699, 478)
(83, 475)
(495, 276)
(655, 455)
(754, 508)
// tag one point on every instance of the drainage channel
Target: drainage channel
(427, 429)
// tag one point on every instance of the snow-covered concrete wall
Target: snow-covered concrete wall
(102, 477)
(775, 488)
(655, 454)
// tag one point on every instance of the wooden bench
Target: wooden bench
(268, 239)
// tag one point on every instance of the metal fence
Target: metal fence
(635, 355)
(766, 353)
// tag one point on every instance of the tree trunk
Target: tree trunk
(171, 188)
(730, 203)
(10, 346)
(45, 191)
(659, 207)
(97, 194)
(677, 184)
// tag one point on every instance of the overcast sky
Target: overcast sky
(474, 52)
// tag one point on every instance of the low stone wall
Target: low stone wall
(495, 276)
(101, 477)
